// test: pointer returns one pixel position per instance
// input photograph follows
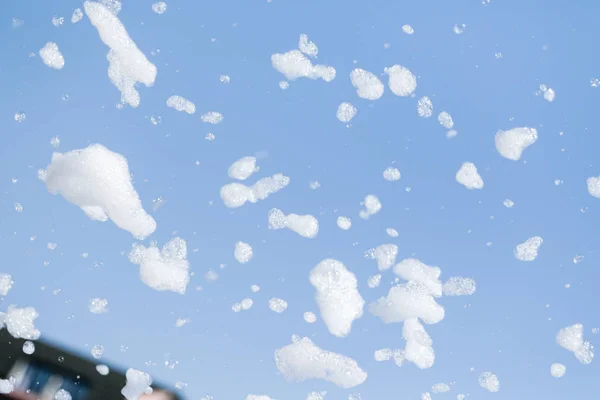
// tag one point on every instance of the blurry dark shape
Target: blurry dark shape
(49, 369)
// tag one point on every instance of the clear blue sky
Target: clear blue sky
(506, 327)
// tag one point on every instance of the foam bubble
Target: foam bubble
(307, 47)
(402, 81)
(368, 85)
(243, 252)
(181, 104)
(304, 225)
(51, 56)
(528, 250)
(511, 144)
(345, 112)
(243, 168)
(294, 65)
(468, 176)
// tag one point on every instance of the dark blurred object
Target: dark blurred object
(42, 374)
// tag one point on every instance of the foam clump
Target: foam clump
(304, 225)
(243, 305)
(558, 370)
(385, 255)
(51, 56)
(391, 174)
(294, 65)
(316, 396)
(307, 47)
(407, 300)
(98, 306)
(6, 283)
(372, 206)
(236, 195)
(278, 305)
(345, 112)
(243, 168)
(468, 176)
(459, 286)
(368, 85)
(391, 232)
(127, 64)
(138, 383)
(77, 16)
(424, 107)
(98, 180)
(159, 7)
(402, 81)
(19, 322)
(179, 103)
(409, 30)
(309, 317)
(416, 271)
(243, 252)
(302, 360)
(7, 385)
(163, 269)
(62, 394)
(344, 223)
(528, 250)
(374, 281)
(440, 388)
(337, 296)
(511, 143)
(571, 338)
(489, 382)
(593, 186)
(212, 117)
(445, 119)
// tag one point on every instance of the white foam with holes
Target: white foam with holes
(304, 225)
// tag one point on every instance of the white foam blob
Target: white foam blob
(385, 255)
(6, 283)
(372, 206)
(138, 383)
(402, 81)
(414, 270)
(294, 65)
(528, 250)
(391, 174)
(345, 112)
(571, 338)
(445, 119)
(511, 143)
(309, 317)
(243, 168)
(98, 306)
(558, 370)
(51, 56)
(278, 305)
(593, 186)
(307, 47)
(181, 104)
(425, 107)
(459, 286)
(344, 223)
(20, 322)
(243, 252)
(236, 195)
(468, 176)
(212, 117)
(304, 225)
(489, 382)
(368, 85)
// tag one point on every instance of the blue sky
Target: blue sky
(505, 327)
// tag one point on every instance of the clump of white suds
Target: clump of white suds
(307, 47)
(77, 16)
(392, 232)
(528, 250)
(212, 117)
(451, 134)
(385, 255)
(7, 385)
(402, 81)
(236, 195)
(459, 286)
(558, 370)
(51, 56)
(511, 144)
(310, 317)
(571, 338)
(243, 252)
(159, 7)
(418, 348)
(548, 93)
(424, 107)
(316, 395)
(6, 283)
(374, 281)
(181, 322)
(243, 305)
(127, 64)
(468, 176)
(255, 288)
(20, 116)
(372, 206)
(243, 168)
(58, 21)
(302, 360)
(284, 85)
(314, 185)
(28, 348)
(391, 174)
(98, 306)
(304, 225)
(163, 269)
(258, 397)
(138, 383)
(278, 305)
(97, 351)
(337, 296)
(344, 223)
(440, 388)
(408, 29)
(98, 180)
(489, 381)
(102, 369)
(416, 271)
(508, 203)
(20, 322)
(459, 29)
(181, 104)
(62, 394)
(445, 120)
(345, 112)
(368, 85)
(405, 301)
(294, 65)
(593, 186)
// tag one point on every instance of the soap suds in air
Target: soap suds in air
(236, 195)
(102, 369)
(58, 21)
(20, 322)
(528, 250)
(316, 396)
(163, 269)
(408, 29)
(7, 385)
(511, 144)
(98, 180)
(385, 255)
(402, 81)
(243, 252)
(405, 301)
(159, 7)
(440, 388)
(424, 107)
(127, 64)
(212, 117)
(549, 93)
(310, 317)
(243, 168)
(508, 203)
(557, 370)
(368, 85)
(418, 348)
(77, 16)
(391, 174)
(372, 206)
(392, 232)
(416, 271)
(243, 305)
(28, 348)
(468, 176)
(278, 305)
(344, 223)
(304, 225)
(62, 394)
(459, 286)
(304, 360)
(181, 104)
(294, 65)
(6, 284)
(98, 306)
(345, 112)
(307, 47)
(445, 120)
(138, 383)
(374, 281)
(593, 186)
(337, 296)
(489, 381)
(51, 56)
(571, 338)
